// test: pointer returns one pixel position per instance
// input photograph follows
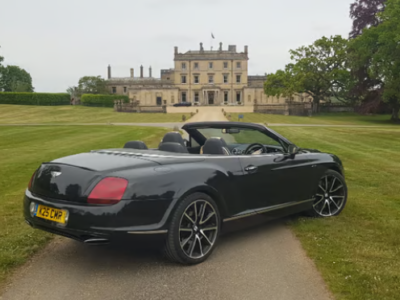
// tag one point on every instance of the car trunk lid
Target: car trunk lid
(72, 178)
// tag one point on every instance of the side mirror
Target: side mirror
(293, 150)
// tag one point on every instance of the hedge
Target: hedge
(34, 98)
(101, 100)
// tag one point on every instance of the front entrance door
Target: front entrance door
(159, 100)
(211, 98)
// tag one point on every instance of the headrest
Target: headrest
(173, 137)
(215, 146)
(135, 145)
(172, 147)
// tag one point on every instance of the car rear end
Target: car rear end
(84, 197)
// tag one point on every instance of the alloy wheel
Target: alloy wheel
(330, 197)
(198, 229)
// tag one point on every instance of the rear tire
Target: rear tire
(193, 231)
(331, 197)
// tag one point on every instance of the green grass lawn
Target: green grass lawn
(358, 253)
(23, 114)
(323, 119)
(22, 150)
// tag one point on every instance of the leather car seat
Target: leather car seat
(172, 147)
(136, 145)
(216, 146)
(173, 137)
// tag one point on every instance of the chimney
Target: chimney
(246, 49)
(150, 72)
(232, 48)
(201, 47)
(220, 46)
(109, 72)
(176, 50)
(141, 71)
(132, 74)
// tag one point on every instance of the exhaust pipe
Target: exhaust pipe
(96, 241)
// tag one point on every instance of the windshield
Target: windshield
(234, 136)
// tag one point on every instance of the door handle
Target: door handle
(251, 169)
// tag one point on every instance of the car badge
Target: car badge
(55, 174)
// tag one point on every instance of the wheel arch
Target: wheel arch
(211, 192)
(336, 168)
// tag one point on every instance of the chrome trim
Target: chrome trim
(272, 208)
(189, 156)
(148, 232)
(94, 241)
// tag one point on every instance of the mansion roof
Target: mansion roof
(211, 55)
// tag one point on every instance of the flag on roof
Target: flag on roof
(212, 35)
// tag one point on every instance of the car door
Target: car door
(270, 179)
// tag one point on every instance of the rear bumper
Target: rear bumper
(98, 224)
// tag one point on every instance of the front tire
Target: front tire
(331, 197)
(194, 230)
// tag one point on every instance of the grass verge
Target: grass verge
(321, 119)
(22, 150)
(357, 252)
(29, 114)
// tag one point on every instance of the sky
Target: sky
(59, 41)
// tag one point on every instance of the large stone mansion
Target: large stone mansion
(203, 77)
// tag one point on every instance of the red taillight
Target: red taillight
(30, 181)
(108, 191)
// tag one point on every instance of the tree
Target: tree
(15, 79)
(74, 91)
(92, 85)
(282, 83)
(377, 48)
(319, 70)
(365, 14)
(1, 74)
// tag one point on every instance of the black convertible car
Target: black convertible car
(185, 191)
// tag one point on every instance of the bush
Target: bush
(34, 98)
(101, 100)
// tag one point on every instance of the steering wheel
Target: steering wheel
(250, 150)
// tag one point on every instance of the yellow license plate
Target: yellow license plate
(52, 214)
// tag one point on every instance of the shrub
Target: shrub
(192, 114)
(183, 118)
(102, 100)
(34, 98)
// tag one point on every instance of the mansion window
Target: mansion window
(196, 66)
(225, 65)
(114, 89)
(238, 98)
(238, 65)
(183, 79)
(225, 78)
(196, 78)
(124, 89)
(196, 97)
(183, 66)
(225, 96)
(211, 79)
(183, 96)
(210, 65)
(237, 78)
